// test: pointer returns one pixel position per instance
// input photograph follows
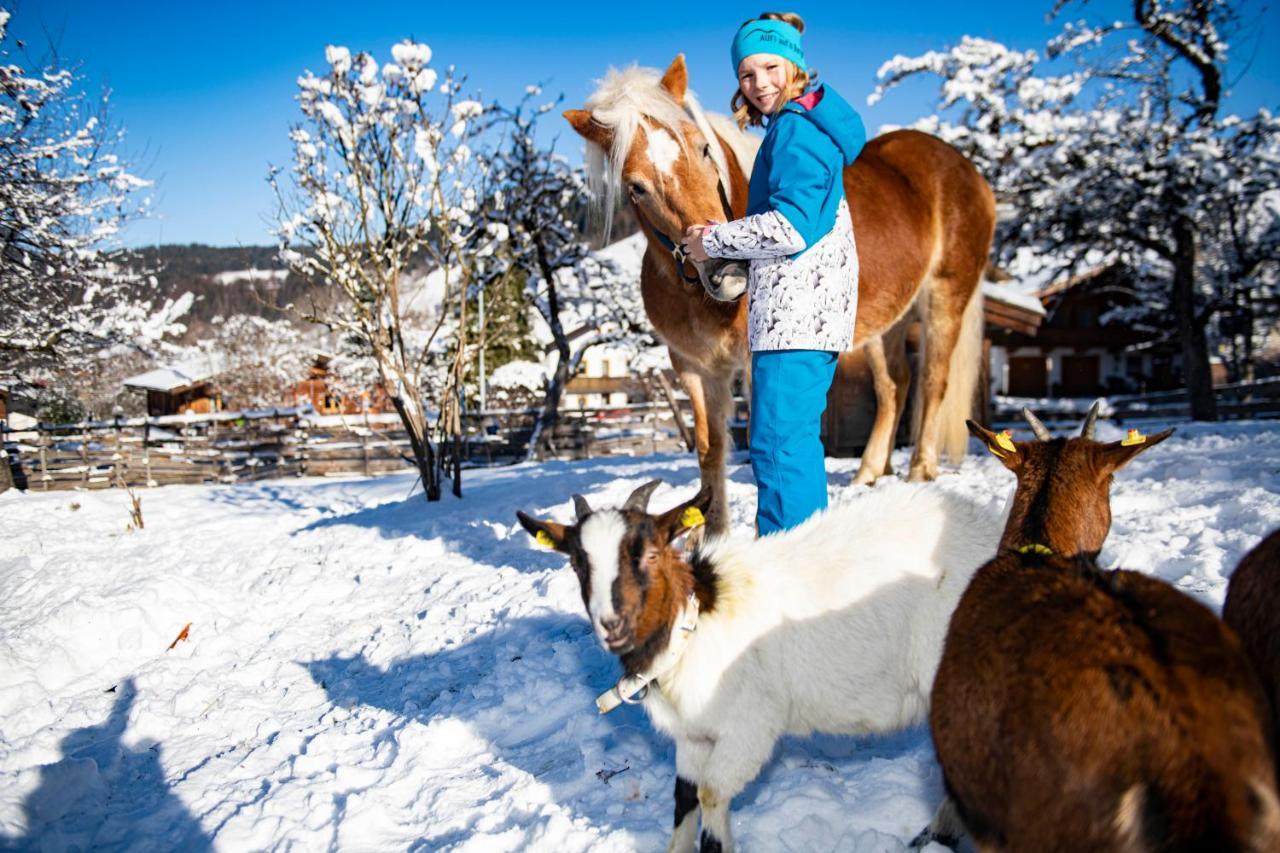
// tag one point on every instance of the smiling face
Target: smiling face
(764, 79)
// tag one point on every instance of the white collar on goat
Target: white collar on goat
(629, 685)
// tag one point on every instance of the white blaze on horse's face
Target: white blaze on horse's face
(663, 151)
(601, 537)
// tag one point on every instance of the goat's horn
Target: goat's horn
(1038, 428)
(1086, 431)
(639, 500)
(581, 507)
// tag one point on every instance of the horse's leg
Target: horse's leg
(885, 354)
(942, 311)
(709, 433)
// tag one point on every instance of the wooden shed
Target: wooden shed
(178, 389)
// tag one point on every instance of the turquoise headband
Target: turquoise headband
(768, 36)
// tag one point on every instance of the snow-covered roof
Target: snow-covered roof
(249, 275)
(176, 377)
(1010, 294)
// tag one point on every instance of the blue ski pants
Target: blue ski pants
(788, 397)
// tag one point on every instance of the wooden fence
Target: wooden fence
(233, 447)
(1256, 399)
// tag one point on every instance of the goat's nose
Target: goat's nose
(611, 623)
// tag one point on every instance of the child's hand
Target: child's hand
(693, 243)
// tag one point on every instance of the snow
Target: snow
(367, 671)
(1011, 295)
(177, 376)
(249, 275)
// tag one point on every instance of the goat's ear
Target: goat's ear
(679, 520)
(999, 444)
(1115, 455)
(548, 533)
(588, 128)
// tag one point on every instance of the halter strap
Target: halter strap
(677, 251)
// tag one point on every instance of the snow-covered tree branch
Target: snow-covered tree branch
(1123, 158)
(581, 297)
(386, 185)
(65, 191)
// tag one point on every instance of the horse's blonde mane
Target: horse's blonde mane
(622, 99)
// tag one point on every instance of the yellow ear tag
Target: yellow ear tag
(1134, 437)
(692, 517)
(543, 539)
(1003, 445)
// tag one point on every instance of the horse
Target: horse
(923, 221)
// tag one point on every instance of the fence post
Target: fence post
(44, 458)
(146, 449)
(364, 448)
(84, 453)
(304, 439)
(670, 394)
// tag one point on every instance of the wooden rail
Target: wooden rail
(233, 447)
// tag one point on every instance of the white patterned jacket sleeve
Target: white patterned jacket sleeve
(765, 235)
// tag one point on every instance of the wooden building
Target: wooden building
(317, 391)
(1074, 354)
(178, 390)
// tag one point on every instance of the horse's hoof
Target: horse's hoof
(922, 473)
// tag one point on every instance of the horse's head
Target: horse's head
(648, 139)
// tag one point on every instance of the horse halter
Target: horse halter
(677, 249)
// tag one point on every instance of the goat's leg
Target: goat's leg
(946, 828)
(684, 837)
(734, 762)
(691, 760)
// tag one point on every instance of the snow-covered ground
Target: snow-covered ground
(367, 671)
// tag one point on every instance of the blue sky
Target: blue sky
(205, 90)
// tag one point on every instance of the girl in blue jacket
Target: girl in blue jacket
(803, 281)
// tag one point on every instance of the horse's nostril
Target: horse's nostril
(611, 623)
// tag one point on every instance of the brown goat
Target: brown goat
(1252, 610)
(1080, 709)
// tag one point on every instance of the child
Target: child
(803, 282)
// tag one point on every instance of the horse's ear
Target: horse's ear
(676, 79)
(588, 128)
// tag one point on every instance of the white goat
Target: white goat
(835, 626)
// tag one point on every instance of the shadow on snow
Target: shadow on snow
(104, 795)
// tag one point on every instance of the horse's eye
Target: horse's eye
(637, 189)
(706, 151)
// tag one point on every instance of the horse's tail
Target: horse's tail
(962, 384)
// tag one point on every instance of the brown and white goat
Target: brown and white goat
(1080, 709)
(1252, 609)
(834, 626)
